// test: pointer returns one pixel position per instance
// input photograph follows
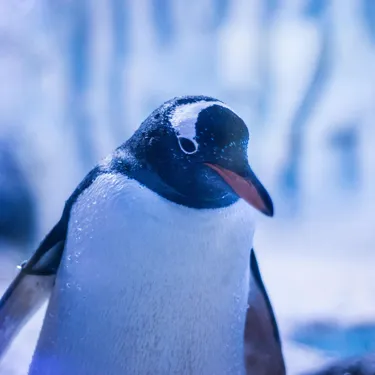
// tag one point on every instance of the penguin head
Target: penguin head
(194, 150)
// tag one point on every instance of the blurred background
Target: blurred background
(78, 77)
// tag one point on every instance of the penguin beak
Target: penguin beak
(246, 186)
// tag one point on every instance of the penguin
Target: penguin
(151, 268)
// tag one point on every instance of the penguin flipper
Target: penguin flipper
(31, 287)
(263, 351)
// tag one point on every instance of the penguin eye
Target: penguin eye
(187, 145)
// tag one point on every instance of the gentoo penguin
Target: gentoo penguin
(151, 268)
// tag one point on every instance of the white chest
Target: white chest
(148, 286)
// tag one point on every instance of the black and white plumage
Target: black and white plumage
(149, 264)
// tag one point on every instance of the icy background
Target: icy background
(78, 77)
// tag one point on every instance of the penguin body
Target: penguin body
(179, 308)
(152, 257)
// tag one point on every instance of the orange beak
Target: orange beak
(248, 188)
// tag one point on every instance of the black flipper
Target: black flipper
(34, 283)
(263, 351)
(31, 287)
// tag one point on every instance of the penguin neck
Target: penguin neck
(130, 161)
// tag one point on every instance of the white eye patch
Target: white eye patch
(184, 118)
